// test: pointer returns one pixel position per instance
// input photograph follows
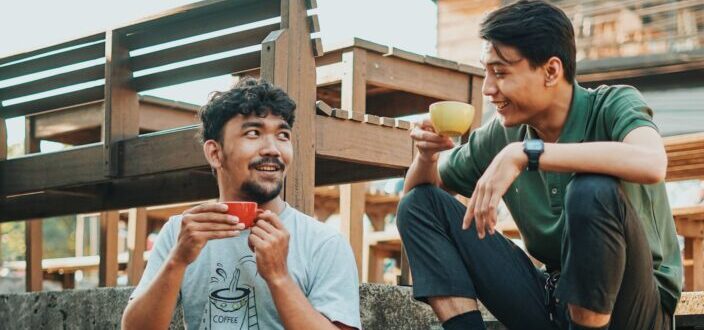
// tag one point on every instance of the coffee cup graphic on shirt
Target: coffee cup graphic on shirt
(232, 300)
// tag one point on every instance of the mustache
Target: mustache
(267, 160)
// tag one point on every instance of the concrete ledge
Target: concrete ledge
(382, 307)
(72, 309)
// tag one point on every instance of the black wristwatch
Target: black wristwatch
(533, 148)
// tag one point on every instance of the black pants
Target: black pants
(606, 260)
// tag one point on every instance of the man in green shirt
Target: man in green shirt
(581, 172)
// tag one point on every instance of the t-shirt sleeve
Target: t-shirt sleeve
(334, 291)
(461, 167)
(162, 248)
(625, 111)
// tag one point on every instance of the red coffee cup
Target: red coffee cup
(245, 211)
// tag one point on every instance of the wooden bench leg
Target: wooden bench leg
(33, 241)
(108, 248)
(698, 267)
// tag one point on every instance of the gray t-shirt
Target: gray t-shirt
(222, 289)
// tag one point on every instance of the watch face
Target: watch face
(534, 145)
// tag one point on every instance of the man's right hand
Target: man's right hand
(199, 225)
(428, 142)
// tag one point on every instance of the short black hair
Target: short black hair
(539, 30)
(249, 96)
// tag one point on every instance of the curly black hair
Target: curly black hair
(249, 96)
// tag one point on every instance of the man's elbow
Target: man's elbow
(656, 171)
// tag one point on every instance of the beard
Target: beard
(258, 193)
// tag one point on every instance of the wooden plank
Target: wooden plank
(3, 137)
(477, 101)
(473, 70)
(121, 116)
(351, 219)
(136, 243)
(317, 45)
(698, 267)
(688, 271)
(86, 53)
(406, 55)
(388, 122)
(329, 74)
(172, 150)
(107, 275)
(323, 108)
(441, 62)
(372, 119)
(274, 59)
(402, 124)
(313, 23)
(43, 50)
(691, 213)
(399, 74)
(33, 256)
(357, 116)
(75, 166)
(690, 229)
(53, 82)
(208, 69)
(205, 47)
(359, 142)
(53, 102)
(335, 172)
(173, 187)
(197, 18)
(301, 87)
(340, 114)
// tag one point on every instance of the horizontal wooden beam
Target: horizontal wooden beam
(73, 56)
(201, 48)
(76, 42)
(208, 69)
(175, 150)
(53, 102)
(363, 143)
(417, 78)
(335, 172)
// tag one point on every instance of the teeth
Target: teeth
(267, 168)
(500, 105)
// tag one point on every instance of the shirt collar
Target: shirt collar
(575, 126)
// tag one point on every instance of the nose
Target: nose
(489, 87)
(269, 147)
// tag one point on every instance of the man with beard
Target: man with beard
(289, 271)
(581, 172)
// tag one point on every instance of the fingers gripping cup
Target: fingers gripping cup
(451, 118)
(245, 211)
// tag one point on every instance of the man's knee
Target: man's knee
(419, 196)
(588, 195)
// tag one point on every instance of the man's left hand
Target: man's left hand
(269, 240)
(492, 186)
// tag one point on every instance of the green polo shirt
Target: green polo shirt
(536, 199)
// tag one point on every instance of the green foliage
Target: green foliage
(59, 238)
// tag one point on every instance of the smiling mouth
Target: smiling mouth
(500, 105)
(268, 168)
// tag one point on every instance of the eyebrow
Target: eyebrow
(259, 124)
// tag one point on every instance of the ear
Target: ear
(213, 153)
(553, 71)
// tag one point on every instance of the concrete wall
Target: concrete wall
(382, 307)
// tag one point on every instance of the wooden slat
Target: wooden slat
(53, 82)
(198, 71)
(399, 74)
(359, 142)
(692, 213)
(351, 219)
(196, 19)
(33, 256)
(317, 46)
(3, 137)
(406, 55)
(164, 151)
(334, 172)
(313, 23)
(107, 275)
(53, 61)
(323, 108)
(43, 50)
(53, 102)
(121, 106)
(173, 187)
(329, 74)
(441, 62)
(698, 266)
(202, 48)
(136, 243)
(477, 101)
(43, 171)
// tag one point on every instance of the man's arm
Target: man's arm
(640, 158)
(154, 308)
(269, 239)
(424, 168)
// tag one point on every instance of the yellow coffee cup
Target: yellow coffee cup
(451, 118)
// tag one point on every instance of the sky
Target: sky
(30, 24)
